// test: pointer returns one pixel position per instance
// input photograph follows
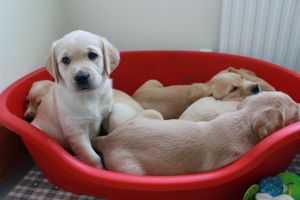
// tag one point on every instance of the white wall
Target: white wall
(27, 28)
(149, 24)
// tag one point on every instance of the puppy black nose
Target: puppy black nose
(82, 77)
(28, 118)
(255, 89)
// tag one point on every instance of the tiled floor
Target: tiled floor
(34, 186)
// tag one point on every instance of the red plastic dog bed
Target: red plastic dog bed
(270, 156)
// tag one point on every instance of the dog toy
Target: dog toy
(271, 185)
(266, 196)
(284, 186)
(292, 183)
(251, 192)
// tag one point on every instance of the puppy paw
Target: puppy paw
(97, 162)
(99, 165)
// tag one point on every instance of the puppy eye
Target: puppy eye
(92, 56)
(234, 89)
(66, 60)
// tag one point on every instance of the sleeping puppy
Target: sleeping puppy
(251, 76)
(172, 101)
(72, 110)
(228, 85)
(37, 91)
(208, 108)
(148, 145)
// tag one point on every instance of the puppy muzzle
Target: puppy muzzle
(82, 80)
(29, 117)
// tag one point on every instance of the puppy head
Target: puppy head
(241, 71)
(231, 86)
(270, 111)
(37, 91)
(251, 76)
(80, 60)
(31, 104)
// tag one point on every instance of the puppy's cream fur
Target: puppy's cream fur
(171, 101)
(251, 76)
(149, 145)
(37, 91)
(124, 107)
(208, 108)
(72, 114)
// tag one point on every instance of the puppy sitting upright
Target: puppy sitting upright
(149, 145)
(73, 109)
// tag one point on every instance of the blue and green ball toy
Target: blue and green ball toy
(284, 183)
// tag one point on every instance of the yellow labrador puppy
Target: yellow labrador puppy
(172, 101)
(37, 91)
(74, 107)
(227, 98)
(251, 76)
(149, 145)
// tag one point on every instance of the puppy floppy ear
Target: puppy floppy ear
(217, 90)
(241, 71)
(52, 65)
(111, 56)
(232, 69)
(247, 72)
(267, 121)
